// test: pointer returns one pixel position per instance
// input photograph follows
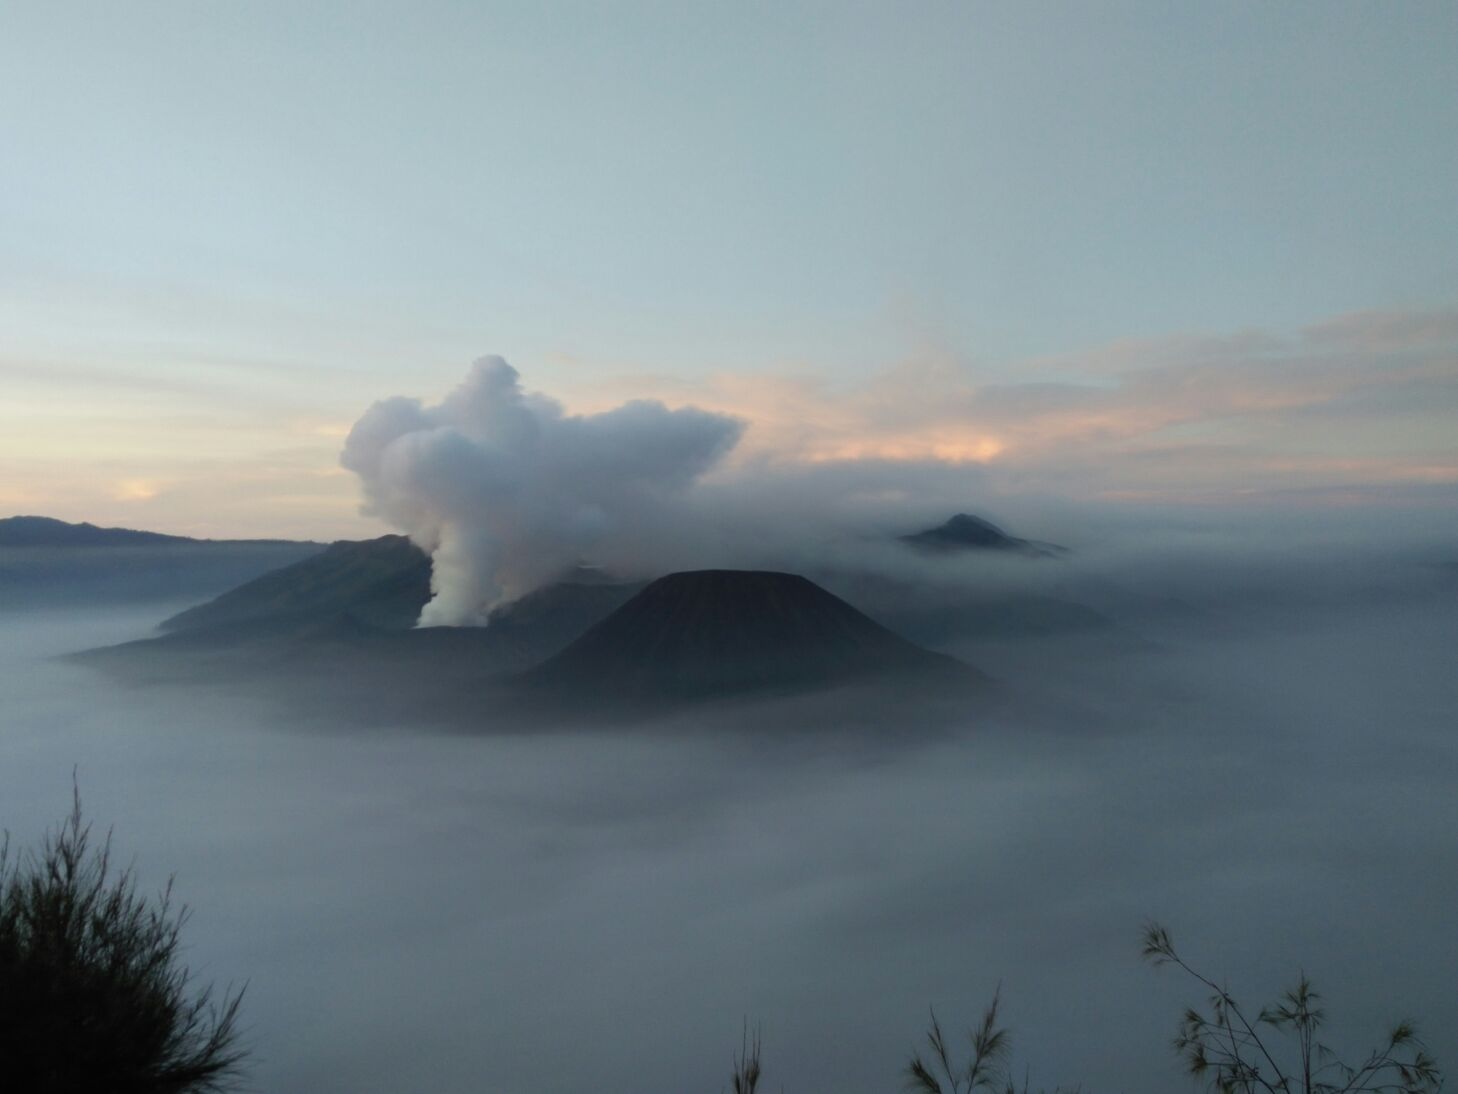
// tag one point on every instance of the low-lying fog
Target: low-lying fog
(1272, 776)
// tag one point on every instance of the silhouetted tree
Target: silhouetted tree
(1227, 1048)
(92, 995)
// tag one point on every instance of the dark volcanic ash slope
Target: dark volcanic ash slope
(337, 632)
(683, 638)
(382, 582)
(713, 633)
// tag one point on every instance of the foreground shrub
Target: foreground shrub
(92, 995)
(1224, 1049)
(1235, 1053)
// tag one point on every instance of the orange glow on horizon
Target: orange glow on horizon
(135, 490)
(908, 450)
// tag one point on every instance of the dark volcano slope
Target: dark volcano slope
(336, 635)
(715, 633)
(382, 582)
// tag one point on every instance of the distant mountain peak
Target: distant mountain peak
(965, 531)
(966, 528)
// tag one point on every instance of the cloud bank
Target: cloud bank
(1268, 770)
(1346, 411)
(506, 490)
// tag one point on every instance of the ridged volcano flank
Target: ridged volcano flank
(384, 582)
(715, 632)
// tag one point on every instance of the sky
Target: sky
(1143, 255)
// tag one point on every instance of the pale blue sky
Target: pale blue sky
(248, 220)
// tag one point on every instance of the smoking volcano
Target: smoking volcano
(504, 489)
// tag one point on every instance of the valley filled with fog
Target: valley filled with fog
(1259, 754)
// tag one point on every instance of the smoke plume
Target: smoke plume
(505, 490)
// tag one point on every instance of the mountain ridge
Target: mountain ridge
(37, 531)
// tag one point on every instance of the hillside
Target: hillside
(383, 582)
